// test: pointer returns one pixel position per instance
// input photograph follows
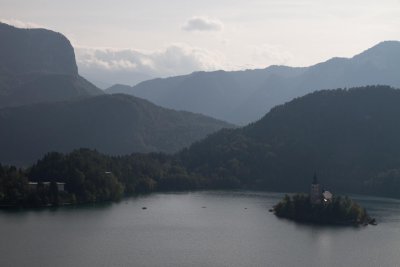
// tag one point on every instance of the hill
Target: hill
(38, 65)
(113, 124)
(241, 97)
(349, 137)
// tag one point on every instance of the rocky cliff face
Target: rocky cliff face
(38, 65)
(25, 51)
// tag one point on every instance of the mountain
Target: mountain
(38, 65)
(349, 137)
(113, 124)
(241, 97)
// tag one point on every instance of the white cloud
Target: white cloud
(172, 60)
(21, 24)
(112, 65)
(203, 24)
(176, 59)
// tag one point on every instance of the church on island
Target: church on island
(317, 194)
(321, 208)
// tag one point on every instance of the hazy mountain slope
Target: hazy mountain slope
(104, 78)
(38, 65)
(350, 137)
(119, 89)
(46, 88)
(244, 96)
(113, 124)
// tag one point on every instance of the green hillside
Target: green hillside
(350, 137)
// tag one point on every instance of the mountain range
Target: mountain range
(347, 137)
(241, 97)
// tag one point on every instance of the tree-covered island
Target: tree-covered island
(322, 208)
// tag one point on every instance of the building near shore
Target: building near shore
(33, 186)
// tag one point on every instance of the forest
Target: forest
(90, 176)
(348, 136)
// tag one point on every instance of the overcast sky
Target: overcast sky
(169, 37)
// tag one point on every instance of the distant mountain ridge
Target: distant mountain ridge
(113, 124)
(241, 97)
(38, 65)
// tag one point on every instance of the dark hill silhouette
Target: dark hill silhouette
(350, 137)
(241, 97)
(113, 124)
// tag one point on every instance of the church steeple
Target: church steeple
(315, 192)
(315, 179)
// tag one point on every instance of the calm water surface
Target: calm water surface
(194, 229)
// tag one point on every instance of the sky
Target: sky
(128, 40)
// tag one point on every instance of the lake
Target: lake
(194, 229)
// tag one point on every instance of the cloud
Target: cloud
(103, 64)
(129, 66)
(203, 24)
(172, 60)
(21, 24)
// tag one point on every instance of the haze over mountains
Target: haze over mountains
(241, 97)
(45, 106)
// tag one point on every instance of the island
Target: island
(321, 207)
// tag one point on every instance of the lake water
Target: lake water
(194, 229)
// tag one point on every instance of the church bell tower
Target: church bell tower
(315, 192)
